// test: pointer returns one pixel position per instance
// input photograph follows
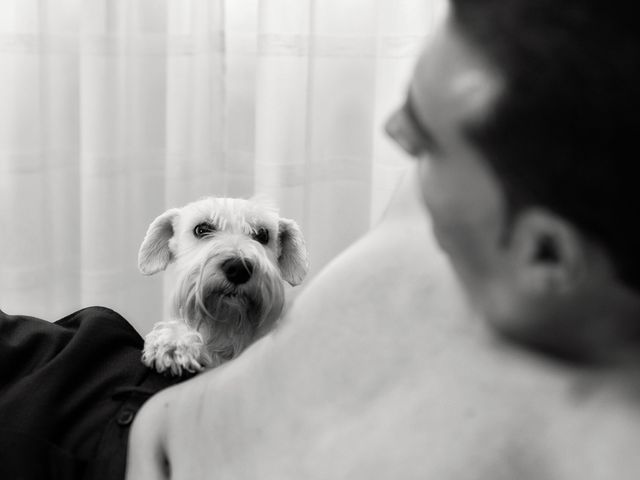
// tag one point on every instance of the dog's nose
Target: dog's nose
(237, 270)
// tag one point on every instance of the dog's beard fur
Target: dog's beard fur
(227, 316)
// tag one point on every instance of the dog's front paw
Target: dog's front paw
(171, 349)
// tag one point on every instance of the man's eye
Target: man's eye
(203, 229)
(262, 236)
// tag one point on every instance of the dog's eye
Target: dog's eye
(203, 229)
(261, 235)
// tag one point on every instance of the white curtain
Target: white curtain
(112, 111)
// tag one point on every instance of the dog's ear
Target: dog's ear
(293, 259)
(155, 254)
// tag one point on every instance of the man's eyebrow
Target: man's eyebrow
(427, 141)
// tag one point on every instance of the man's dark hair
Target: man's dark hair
(564, 133)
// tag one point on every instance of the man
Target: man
(521, 115)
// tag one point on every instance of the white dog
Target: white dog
(231, 258)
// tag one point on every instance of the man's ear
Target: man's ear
(155, 254)
(293, 258)
(550, 254)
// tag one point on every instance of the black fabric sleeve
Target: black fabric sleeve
(69, 391)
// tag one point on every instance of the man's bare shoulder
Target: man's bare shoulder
(381, 370)
(424, 384)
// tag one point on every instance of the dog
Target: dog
(232, 257)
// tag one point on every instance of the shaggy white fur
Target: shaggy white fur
(231, 258)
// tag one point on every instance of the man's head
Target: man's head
(522, 114)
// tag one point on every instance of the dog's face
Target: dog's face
(231, 257)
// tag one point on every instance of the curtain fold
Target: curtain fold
(114, 110)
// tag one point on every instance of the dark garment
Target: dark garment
(69, 391)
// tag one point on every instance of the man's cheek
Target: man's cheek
(447, 235)
(442, 222)
(458, 236)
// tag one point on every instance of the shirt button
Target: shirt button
(126, 417)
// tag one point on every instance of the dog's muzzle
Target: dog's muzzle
(228, 300)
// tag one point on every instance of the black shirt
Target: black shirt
(69, 391)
